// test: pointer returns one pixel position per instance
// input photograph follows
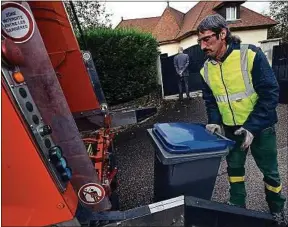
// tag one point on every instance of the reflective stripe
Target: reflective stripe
(273, 189)
(236, 179)
(243, 55)
(244, 67)
(234, 97)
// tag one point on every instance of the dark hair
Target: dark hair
(216, 23)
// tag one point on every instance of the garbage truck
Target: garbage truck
(58, 167)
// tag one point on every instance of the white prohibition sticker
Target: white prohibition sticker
(17, 22)
(91, 193)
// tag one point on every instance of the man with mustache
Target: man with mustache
(241, 96)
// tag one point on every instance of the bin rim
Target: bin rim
(222, 142)
(173, 158)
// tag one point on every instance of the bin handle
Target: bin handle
(221, 136)
(225, 138)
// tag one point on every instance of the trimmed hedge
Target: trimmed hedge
(126, 62)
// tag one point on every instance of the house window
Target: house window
(231, 13)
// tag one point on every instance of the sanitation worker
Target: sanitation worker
(241, 94)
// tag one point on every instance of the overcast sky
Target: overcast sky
(139, 9)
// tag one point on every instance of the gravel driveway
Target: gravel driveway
(135, 157)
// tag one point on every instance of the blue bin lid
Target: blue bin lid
(188, 138)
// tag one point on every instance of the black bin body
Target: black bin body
(187, 178)
(189, 174)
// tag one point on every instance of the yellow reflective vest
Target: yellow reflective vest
(231, 85)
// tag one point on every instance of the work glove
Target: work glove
(248, 137)
(213, 128)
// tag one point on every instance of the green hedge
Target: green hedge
(125, 61)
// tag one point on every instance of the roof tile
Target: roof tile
(143, 24)
(191, 17)
(250, 18)
(179, 16)
(169, 25)
(173, 24)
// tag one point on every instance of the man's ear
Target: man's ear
(223, 34)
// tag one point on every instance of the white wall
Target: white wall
(159, 71)
(172, 49)
(169, 49)
(188, 42)
(267, 48)
(250, 36)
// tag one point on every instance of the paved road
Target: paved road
(135, 157)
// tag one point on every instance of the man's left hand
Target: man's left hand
(248, 139)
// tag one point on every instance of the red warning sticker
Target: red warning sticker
(91, 193)
(17, 22)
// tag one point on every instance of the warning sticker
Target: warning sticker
(17, 22)
(91, 193)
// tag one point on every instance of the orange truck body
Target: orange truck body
(30, 196)
(63, 50)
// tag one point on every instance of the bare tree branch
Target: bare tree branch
(278, 11)
(91, 14)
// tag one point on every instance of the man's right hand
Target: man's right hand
(213, 128)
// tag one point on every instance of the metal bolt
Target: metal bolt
(12, 86)
(31, 126)
(60, 205)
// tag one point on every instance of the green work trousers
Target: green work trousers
(264, 152)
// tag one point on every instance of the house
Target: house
(174, 28)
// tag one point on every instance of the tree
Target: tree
(278, 11)
(91, 14)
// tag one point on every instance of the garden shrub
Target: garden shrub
(126, 62)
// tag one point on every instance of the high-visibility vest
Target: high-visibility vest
(231, 85)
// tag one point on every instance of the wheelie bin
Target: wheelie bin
(187, 159)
